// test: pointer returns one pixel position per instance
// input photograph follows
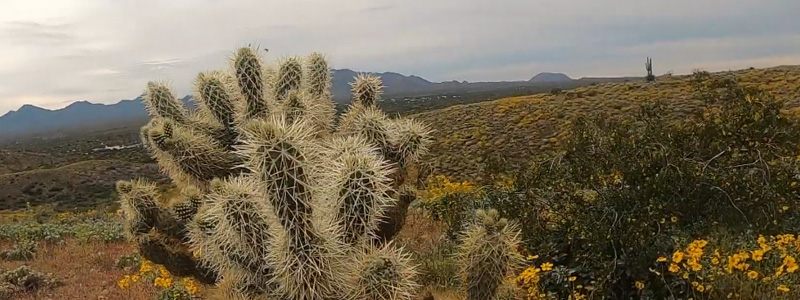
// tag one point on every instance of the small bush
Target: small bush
(23, 279)
(450, 202)
(23, 249)
(438, 267)
(101, 231)
(129, 261)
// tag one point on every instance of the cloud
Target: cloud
(34, 33)
(57, 51)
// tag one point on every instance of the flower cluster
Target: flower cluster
(440, 186)
(531, 282)
(767, 268)
(172, 288)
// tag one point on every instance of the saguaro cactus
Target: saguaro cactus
(649, 66)
(276, 201)
(488, 253)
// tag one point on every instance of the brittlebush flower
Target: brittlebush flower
(163, 282)
(674, 268)
(752, 274)
(677, 257)
(547, 266)
(700, 288)
(191, 286)
(125, 282)
(639, 285)
(783, 288)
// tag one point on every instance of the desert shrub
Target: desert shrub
(623, 189)
(107, 232)
(437, 266)
(174, 293)
(87, 231)
(23, 249)
(23, 279)
(129, 260)
(450, 201)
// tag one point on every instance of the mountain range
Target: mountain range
(33, 120)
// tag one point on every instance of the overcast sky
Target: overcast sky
(54, 52)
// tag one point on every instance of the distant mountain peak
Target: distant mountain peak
(79, 104)
(550, 77)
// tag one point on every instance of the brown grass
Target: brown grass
(87, 271)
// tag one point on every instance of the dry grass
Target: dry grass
(87, 271)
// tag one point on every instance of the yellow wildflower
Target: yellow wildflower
(145, 267)
(790, 263)
(662, 259)
(752, 274)
(639, 285)
(758, 254)
(191, 286)
(674, 268)
(163, 282)
(783, 288)
(125, 282)
(547, 266)
(700, 288)
(677, 257)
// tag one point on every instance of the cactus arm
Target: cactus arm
(249, 79)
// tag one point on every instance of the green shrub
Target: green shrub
(450, 202)
(107, 232)
(622, 190)
(174, 293)
(86, 231)
(23, 279)
(129, 261)
(23, 249)
(438, 266)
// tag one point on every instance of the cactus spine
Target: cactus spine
(277, 202)
(488, 253)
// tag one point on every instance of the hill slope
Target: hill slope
(82, 184)
(520, 127)
(550, 77)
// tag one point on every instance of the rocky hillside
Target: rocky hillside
(519, 128)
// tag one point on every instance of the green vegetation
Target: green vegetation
(27, 228)
(23, 279)
(601, 216)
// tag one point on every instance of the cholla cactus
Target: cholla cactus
(275, 199)
(488, 254)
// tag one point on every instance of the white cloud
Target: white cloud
(59, 51)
